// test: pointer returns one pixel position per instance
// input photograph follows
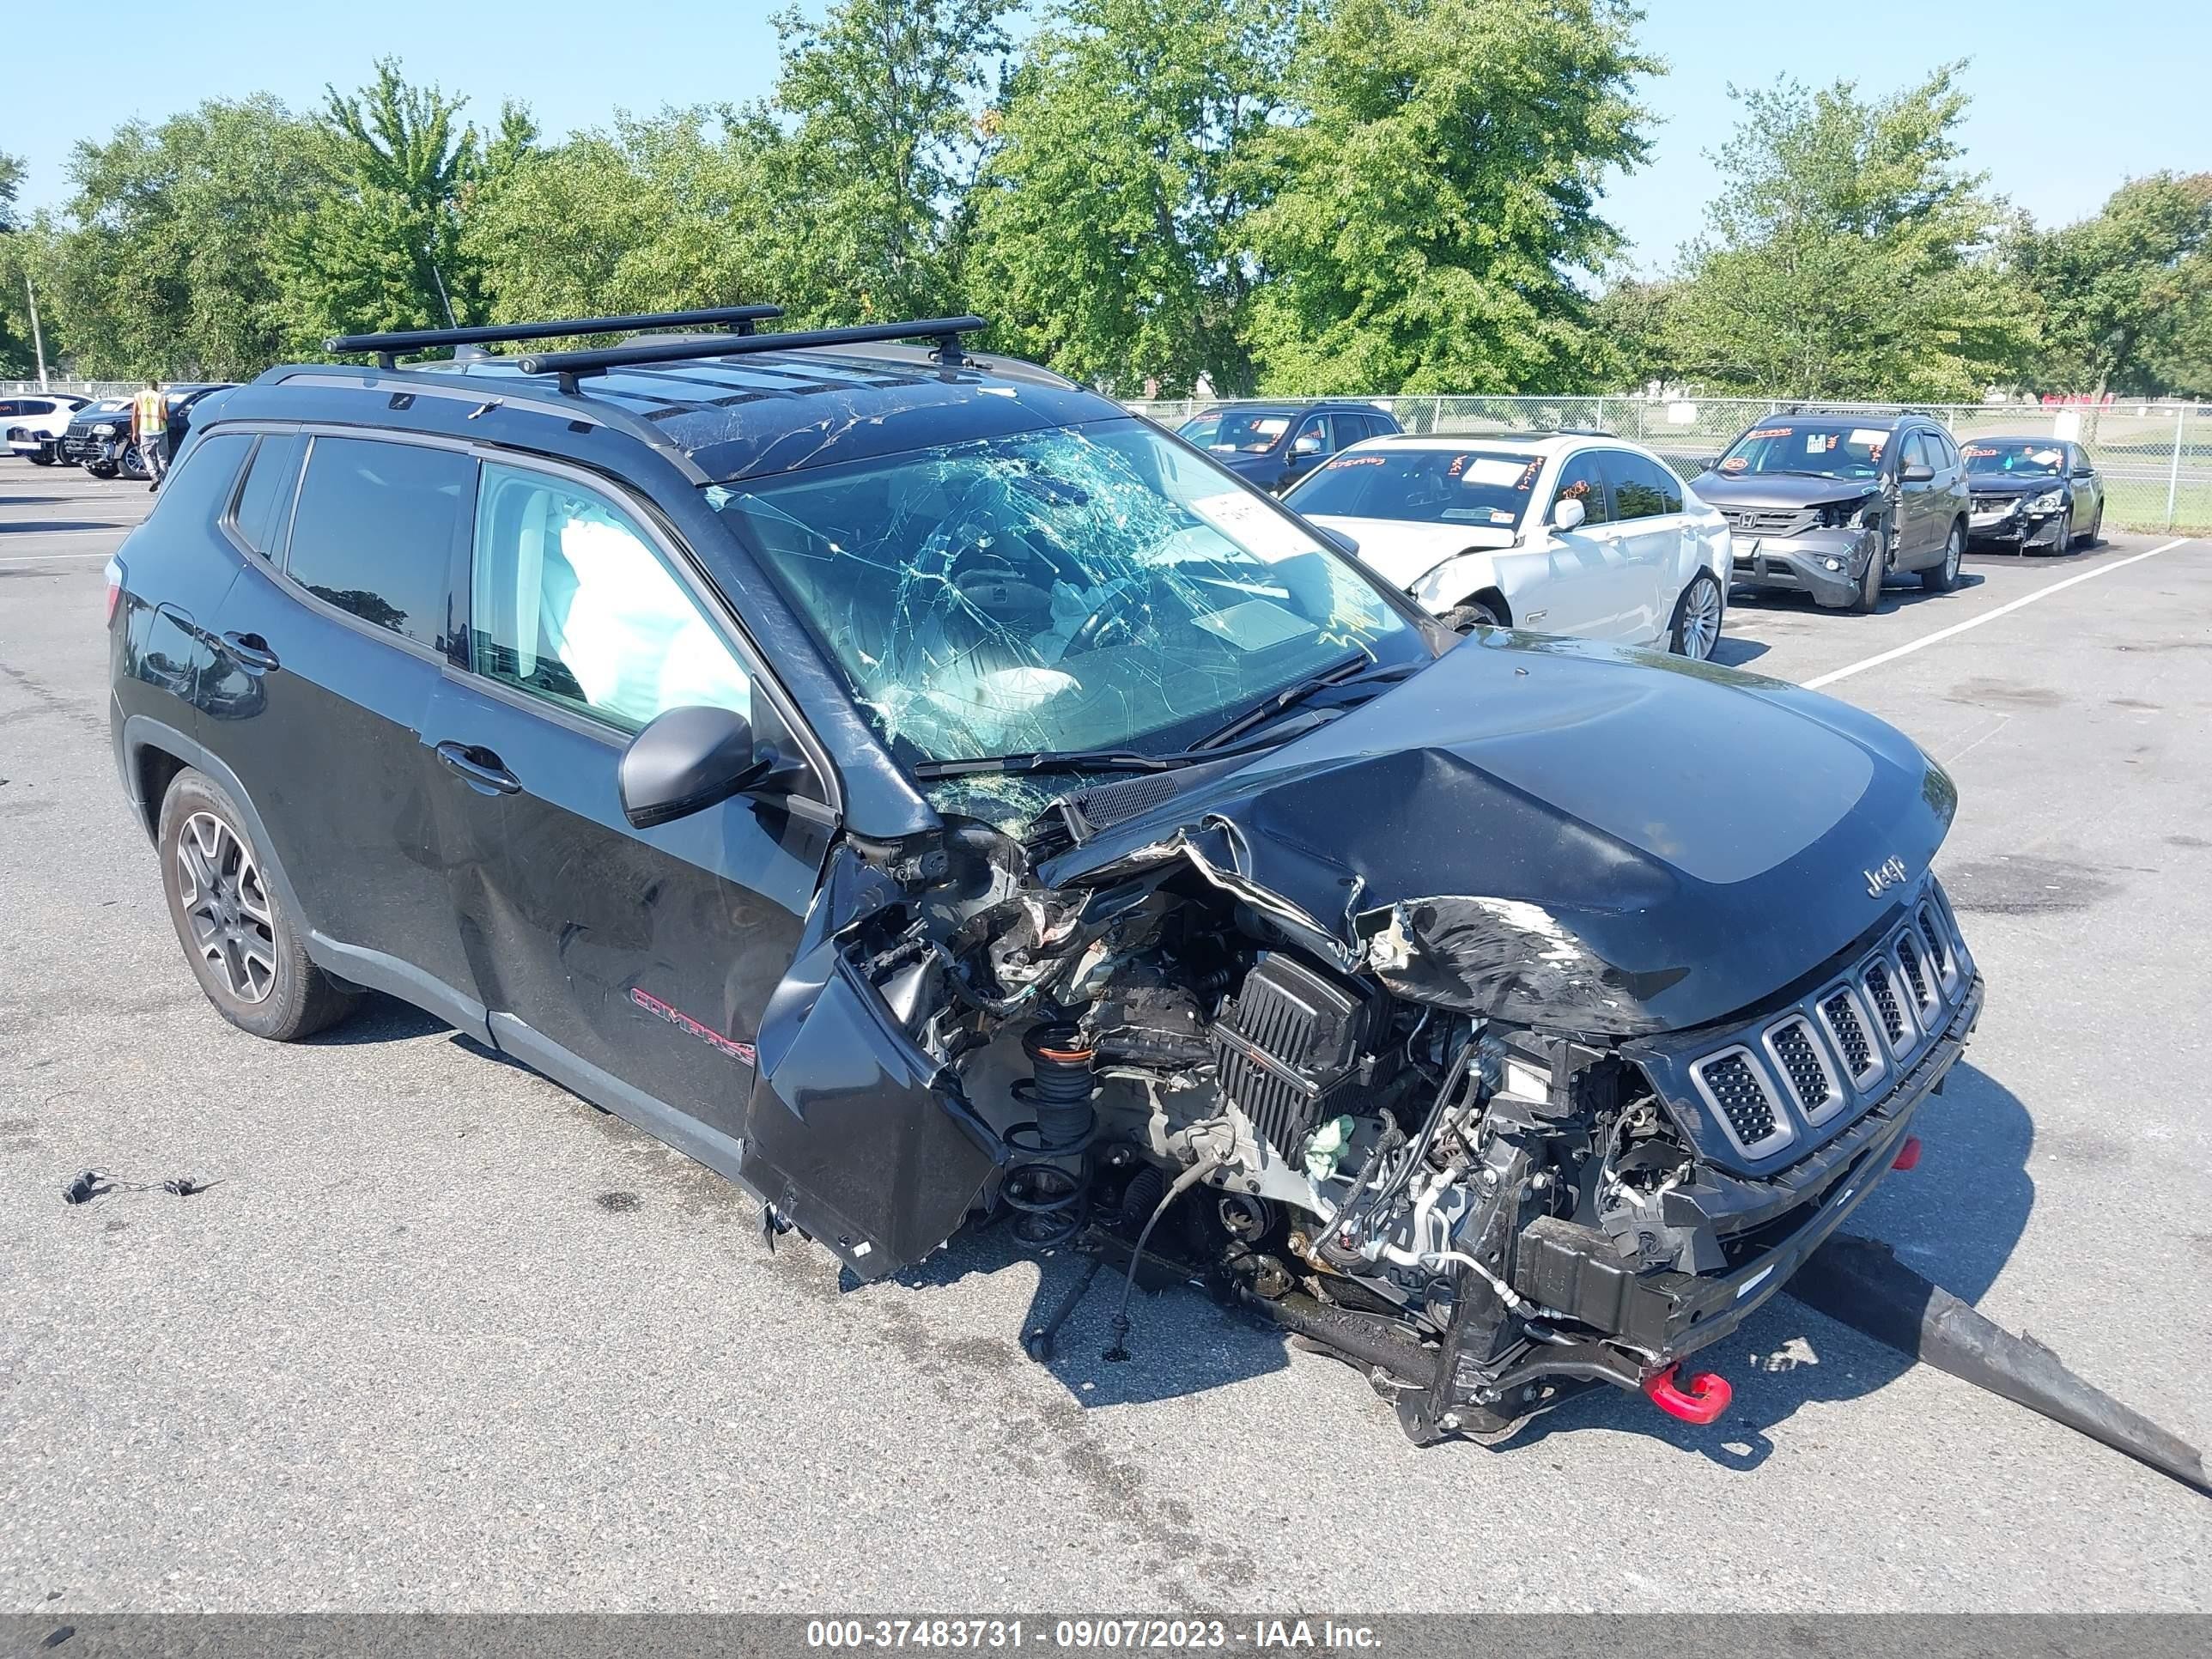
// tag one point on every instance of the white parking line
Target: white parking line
(49, 558)
(1912, 646)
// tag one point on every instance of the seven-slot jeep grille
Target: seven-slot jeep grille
(1802, 1073)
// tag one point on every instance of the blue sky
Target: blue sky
(2069, 99)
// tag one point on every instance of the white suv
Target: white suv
(34, 423)
(1560, 533)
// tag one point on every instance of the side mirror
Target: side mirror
(1910, 474)
(1307, 444)
(687, 760)
(1337, 539)
(1707, 463)
(1567, 514)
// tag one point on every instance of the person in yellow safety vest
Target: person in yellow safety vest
(149, 430)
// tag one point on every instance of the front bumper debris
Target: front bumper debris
(1664, 1316)
(2021, 531)
(1828, 564)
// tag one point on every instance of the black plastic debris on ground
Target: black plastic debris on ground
(1859, 1282)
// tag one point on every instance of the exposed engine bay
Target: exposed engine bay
(1482, 1215)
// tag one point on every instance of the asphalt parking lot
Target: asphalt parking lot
(444, 1337)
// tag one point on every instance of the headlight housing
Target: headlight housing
(105, 429)
(1850, 515)
(2049, 502)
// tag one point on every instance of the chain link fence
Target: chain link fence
(72, 388)
(2156, 459)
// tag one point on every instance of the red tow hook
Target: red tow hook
(1908, 1154)
(1708, 1397)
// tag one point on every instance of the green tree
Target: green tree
(883, 98)
(382, 247)
(1640, 331)
(2121, 294)
(674, 212)
(1437, 191)
(1109, 224)
(1850, 253)
(163, 263)
(15, 353)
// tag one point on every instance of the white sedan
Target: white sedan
(1566, 533)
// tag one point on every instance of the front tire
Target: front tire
(1944, 577)
(245, 948)
(1472, 614)
(1697, 625)
(1870, 592)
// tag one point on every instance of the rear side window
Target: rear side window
(570, 601)
(375, 529)
(1581, 481)
(200, 487)
(265, 503)
(1637, 492)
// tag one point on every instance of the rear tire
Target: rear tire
(1944, 577)
(1698, 615)
(41, 458)
(2095, 533)
(245, 948)
(1472, 614)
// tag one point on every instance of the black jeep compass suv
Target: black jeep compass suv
(1829, 505)
(920, 791)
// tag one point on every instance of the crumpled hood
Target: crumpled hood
(1402, 553)
(2007, 485)
(1779, 489)
(1566, 834)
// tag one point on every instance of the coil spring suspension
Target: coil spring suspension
(1049, 1179)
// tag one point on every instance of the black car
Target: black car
(921, 791)
(1275, 444)
(2033, 493)
(99, 437)
(1829, 505)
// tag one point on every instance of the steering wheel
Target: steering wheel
(1120, 607)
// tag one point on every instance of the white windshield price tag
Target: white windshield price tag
(1253, 525)
(1499, 475)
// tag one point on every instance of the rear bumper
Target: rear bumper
(1655, 1319)
(1825, 563)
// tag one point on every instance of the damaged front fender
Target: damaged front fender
(855, 1132)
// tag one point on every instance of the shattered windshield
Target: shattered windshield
(1422, 486)
(1817, 451)
(2014, 457)
(1081, 588)
(1235, 431)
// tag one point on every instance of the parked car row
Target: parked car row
(60, 428)
(1588, 534)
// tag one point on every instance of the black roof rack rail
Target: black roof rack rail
(568, 365)
(387, 347)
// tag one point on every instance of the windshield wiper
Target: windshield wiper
(1054, 760)
(1346, 672)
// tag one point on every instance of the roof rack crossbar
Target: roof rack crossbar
(568, 365)
(738, 319)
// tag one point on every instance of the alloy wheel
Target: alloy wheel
(1953, 555)
(1701, 620)
(226, 906)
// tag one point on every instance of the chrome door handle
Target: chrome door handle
(479, 768)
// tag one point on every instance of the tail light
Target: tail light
(115, 574)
